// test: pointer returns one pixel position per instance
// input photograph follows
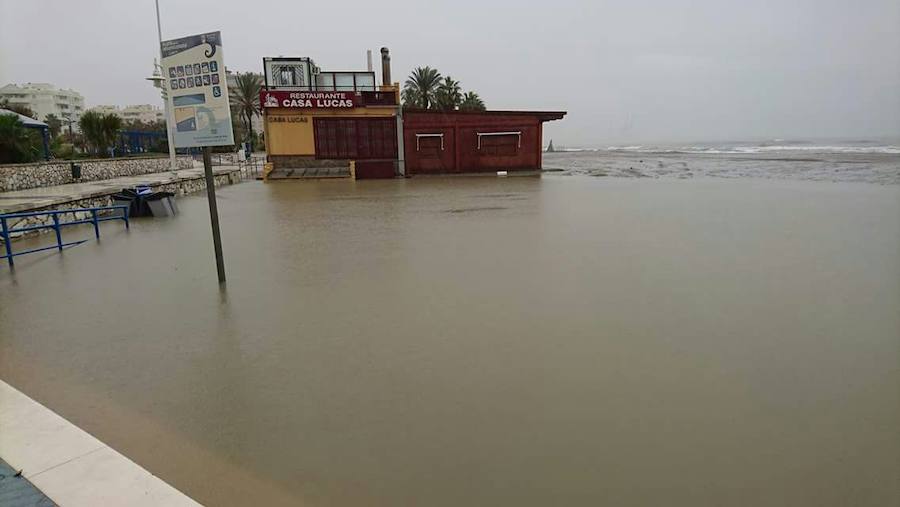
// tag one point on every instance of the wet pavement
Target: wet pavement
(481, 341)
(42, 197)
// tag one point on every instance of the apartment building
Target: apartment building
(45, 99)
(145, 113)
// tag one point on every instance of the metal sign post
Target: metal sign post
(213, 213)
(198, 99)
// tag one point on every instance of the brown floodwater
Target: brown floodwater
(483, 341)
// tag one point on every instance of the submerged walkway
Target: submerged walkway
(67, 464)
(35, 198)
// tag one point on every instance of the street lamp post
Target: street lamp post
(70, 121)
(160, 81)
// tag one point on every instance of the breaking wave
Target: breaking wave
(764, 148)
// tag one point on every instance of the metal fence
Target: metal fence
(251, 167)
(121, 213)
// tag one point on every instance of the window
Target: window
(365, 81)
(325, 81)
(282, 72)
(343, 82)
(289, 75)
(499, 143)
(429, 145)
(346, 81)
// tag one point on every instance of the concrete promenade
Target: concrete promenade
(36, 198)
(68, 465)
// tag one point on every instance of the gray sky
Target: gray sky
(627, 71)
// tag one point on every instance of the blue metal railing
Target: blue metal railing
(57, 226)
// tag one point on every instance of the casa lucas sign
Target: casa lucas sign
(308, 100)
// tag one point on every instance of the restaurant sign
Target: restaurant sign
(308, 100)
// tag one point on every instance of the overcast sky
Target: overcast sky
(626, 71)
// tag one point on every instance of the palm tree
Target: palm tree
(100, 130)
(91, 124)
(17, 143)
(237, 125)
(449, 95)
(54, 124)
(411, 98)
(110, 125)
(245, 99)
(471, 102)
(421, 86)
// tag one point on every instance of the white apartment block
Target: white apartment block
(145, 113)
(45, 99)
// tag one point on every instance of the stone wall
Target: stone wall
(181, 187)
(45, 174)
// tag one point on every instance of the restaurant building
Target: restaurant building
(322, 123)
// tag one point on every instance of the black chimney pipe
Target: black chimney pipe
(385, 67)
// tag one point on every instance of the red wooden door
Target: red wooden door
(355, 138)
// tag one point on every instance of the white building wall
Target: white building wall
(146, 113)
(45, 99)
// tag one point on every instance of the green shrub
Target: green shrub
(18, 144)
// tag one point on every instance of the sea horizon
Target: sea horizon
(867, 144)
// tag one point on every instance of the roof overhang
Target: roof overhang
(28, 122)
(540, 115)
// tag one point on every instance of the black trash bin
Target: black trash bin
(161, 204)
(137, 203)
(76, 171)
(120, 200)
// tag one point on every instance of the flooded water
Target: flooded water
(482, 341)
(859, 163)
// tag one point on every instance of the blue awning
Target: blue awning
(31, 123)
(28, 122)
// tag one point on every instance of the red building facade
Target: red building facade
(448, 142)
